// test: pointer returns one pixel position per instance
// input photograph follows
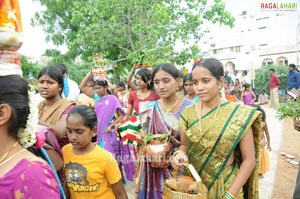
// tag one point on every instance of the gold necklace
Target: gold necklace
(213, 120)
(12, 147)
(171, 108)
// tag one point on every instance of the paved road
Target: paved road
(265, 184)
(275, 129)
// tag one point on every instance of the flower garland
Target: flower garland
(27, 136)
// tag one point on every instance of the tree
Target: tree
(129, 29)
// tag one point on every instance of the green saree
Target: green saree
(212, 139)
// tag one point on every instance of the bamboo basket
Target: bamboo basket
(171, 194)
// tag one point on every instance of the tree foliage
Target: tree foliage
(129, 29)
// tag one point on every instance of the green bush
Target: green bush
(262, 77)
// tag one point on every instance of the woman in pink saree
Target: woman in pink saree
(110, 113)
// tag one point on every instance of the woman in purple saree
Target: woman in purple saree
(159, 117)
(110, 114)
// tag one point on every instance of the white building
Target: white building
(257, 39)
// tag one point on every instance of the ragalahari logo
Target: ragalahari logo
(282, 6)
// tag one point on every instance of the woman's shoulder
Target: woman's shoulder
(188, 109)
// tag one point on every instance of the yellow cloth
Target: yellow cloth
(90, 175)
(233, 120)
(264, 161)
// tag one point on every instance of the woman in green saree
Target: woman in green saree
(219, 138)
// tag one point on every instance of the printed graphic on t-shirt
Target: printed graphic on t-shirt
(76, 177)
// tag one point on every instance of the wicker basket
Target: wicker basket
(171, 194)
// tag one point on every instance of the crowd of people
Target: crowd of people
(208, 119)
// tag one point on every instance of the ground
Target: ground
(285, 174)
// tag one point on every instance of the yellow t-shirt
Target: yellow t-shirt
(90, 175)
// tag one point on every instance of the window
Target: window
(215, 51)
(237, 49)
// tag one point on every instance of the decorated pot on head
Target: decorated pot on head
(99, 71)
(10, 37)
(10, 25)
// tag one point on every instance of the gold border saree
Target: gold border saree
(212, 139)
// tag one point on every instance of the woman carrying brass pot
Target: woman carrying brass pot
(159, 119)
(221, 139)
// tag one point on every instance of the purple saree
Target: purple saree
(150, 180)
(106, 108)
(29, 179)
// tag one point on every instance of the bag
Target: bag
(185, 187)
(129, 129)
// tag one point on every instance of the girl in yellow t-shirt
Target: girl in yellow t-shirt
(90, 171)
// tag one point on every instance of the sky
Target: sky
(34, 43)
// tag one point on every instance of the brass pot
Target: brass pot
(158, 153)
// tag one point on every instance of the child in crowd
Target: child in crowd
(90, 171)
(188, 88)
(248, 96)
(263, 98)
(264, 162)
(228, 95)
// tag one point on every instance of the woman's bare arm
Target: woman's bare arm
(248, 163)
(86, 90)
(266, 129)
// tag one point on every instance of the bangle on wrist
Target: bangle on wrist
(132, 71)
(228, 195)
(177, 152)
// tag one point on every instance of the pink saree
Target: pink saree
(29, 179)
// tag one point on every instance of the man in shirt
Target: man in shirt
(245, 79)
(71, 89)
(274, 83)
(293, 80)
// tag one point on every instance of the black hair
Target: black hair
(188, 77)
(213, 65)
(15, 94)
(180, 74)
(121, 84)
(264, 117)
(168, 68)
(88, 117)
(54, 73)
(63, 68)
(104, 84)
(246, 85)
(272, 69)
(293, 66)
(146, 76)
(245, 72)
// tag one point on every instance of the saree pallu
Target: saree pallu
(106, 108)
(211, 141)
(150, 180)
(52, 115)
